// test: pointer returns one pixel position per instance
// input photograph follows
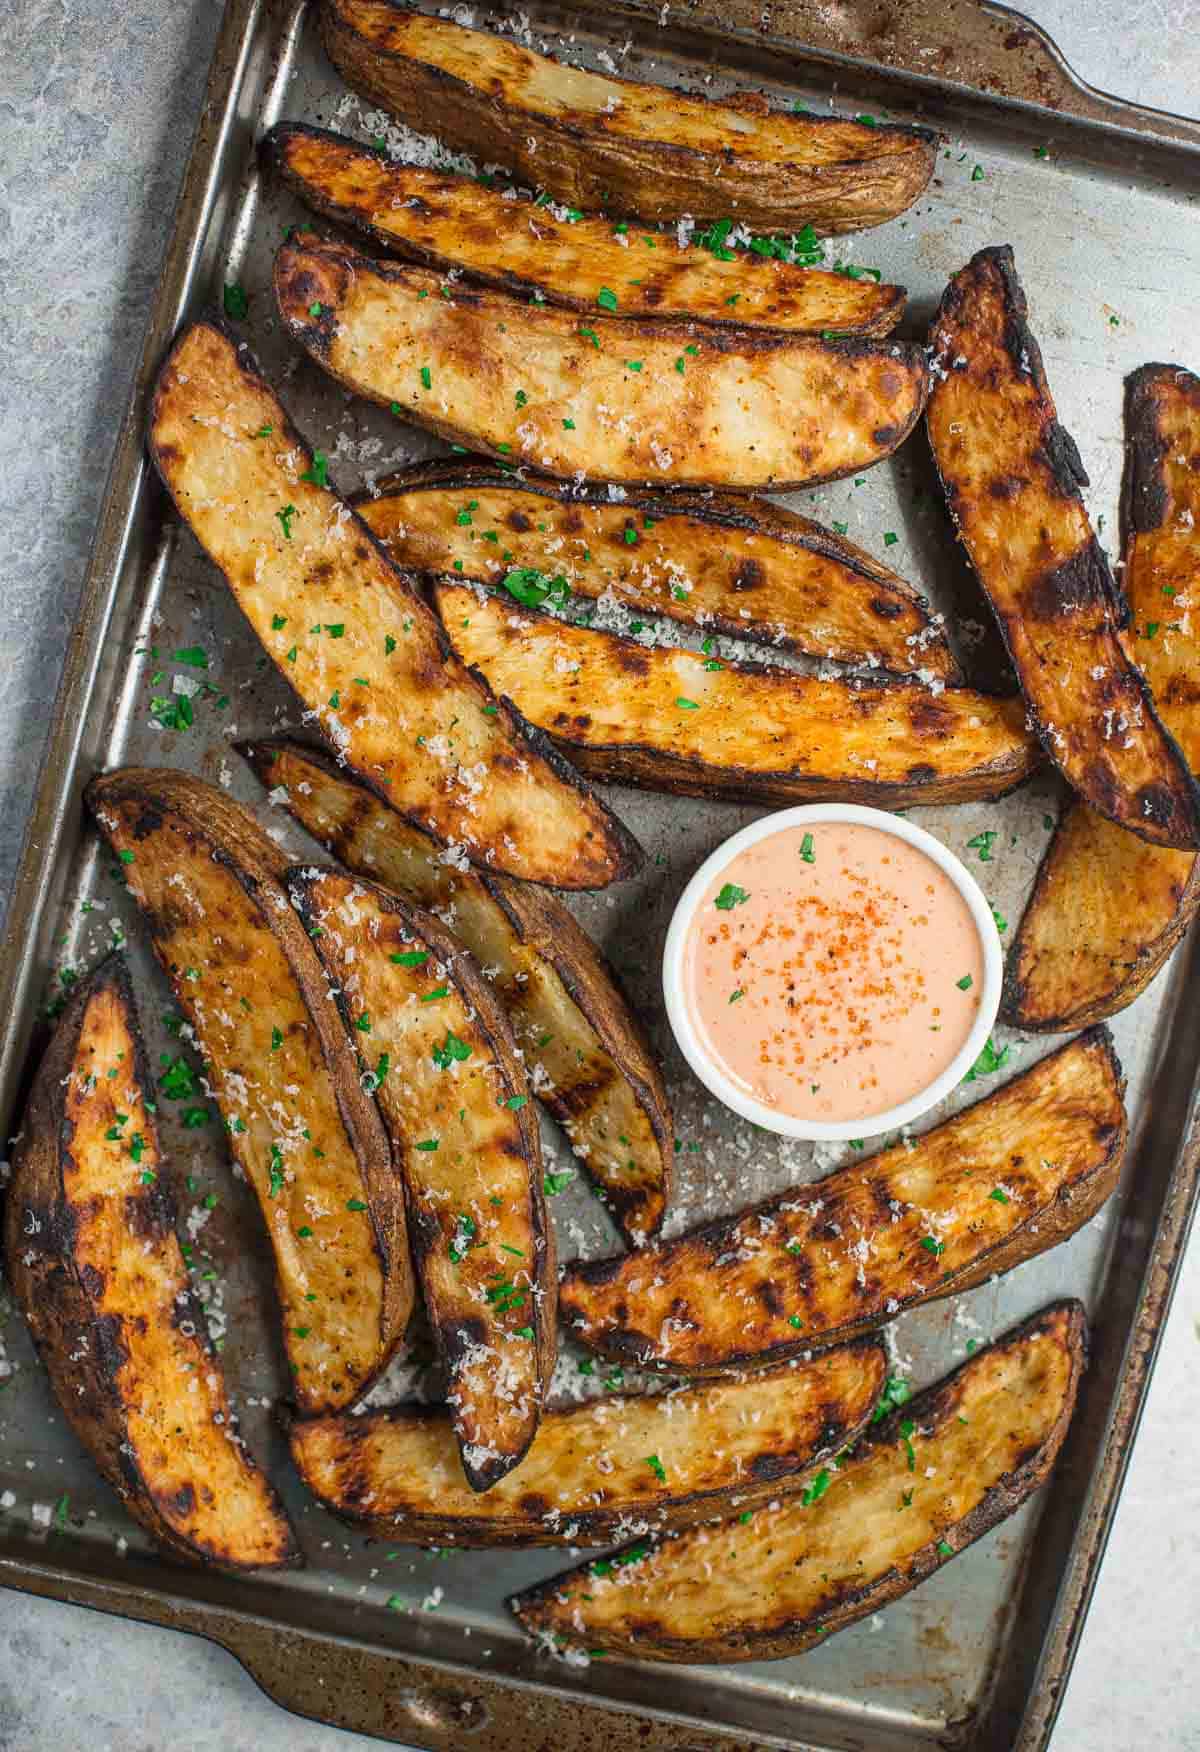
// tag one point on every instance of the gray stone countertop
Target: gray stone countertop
(97, 107)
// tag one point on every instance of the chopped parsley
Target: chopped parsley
(553, 1184)
(896, 1392)
(730, 896)
(999, 1194)
(965, 983)
(906, 1435)
(990, 1060)
(812, 1493)
(462, 1239)
(452, 1051)
(411, 958)
(982, 843)
(657, 1468)
(318, 474)
(806, 849)
(235, 300)
(606, 299)
(931, 1244)
(285, 520)
(532, 587)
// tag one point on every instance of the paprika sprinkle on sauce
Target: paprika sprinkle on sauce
(832, 972)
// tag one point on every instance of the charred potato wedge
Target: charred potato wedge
(95, 1266)
(595, 141)
(612, 1468)
(591, 1064)
(1105, 913)
(611, 398)
(1108, 909)
(957, 1460)
(454, 224)
(355, 638)
(739, 566)
(452, 1089)
(302, 1129)
(995, 1185)
(1013, 478)
(674, 720)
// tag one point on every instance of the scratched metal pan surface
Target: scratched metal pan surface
(1099, 202)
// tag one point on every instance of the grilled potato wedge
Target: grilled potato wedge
(281, 1067)
(1108, 909)
(453, 1090)
(595, 141)
(96, 1268)
(957, 1460)
(673, 720)
(355, 638)
(993, 1186)
(1105, 913)
(614, 399)
(608, 1469)
(1012, 478)
(739, 566)
(591, 1064)
(453, 223)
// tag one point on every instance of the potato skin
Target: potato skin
(454, 224)
(298, 561)
(754, 570)
(481, 93)
(603, 1082)
(1106, 912)
(89, 1346)
(1052, 1141)
(486, 1169)
(957, 1459)
(1013, 478)
(1108, 909)
(733, 1444)
(246, 975)
(749, 732)
(709, 407)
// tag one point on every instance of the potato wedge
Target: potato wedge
(96, 1268)
(281, 1067)
(453, 1091)
(590, 1477)
(355, 638)
(1108, 909)
(611, 398)
(450, 223)
(740, 566)
(932, 1479)
(1012, 478)
(673, 720)
(596, 141)
(1105, 913)
(995, 1185)
(591, 1064)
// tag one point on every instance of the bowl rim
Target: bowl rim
(702, 1062)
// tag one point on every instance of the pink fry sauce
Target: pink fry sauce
(834, 972)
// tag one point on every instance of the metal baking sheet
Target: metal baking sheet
(1099, 202)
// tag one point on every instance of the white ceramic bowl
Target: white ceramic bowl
(711, 1073)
